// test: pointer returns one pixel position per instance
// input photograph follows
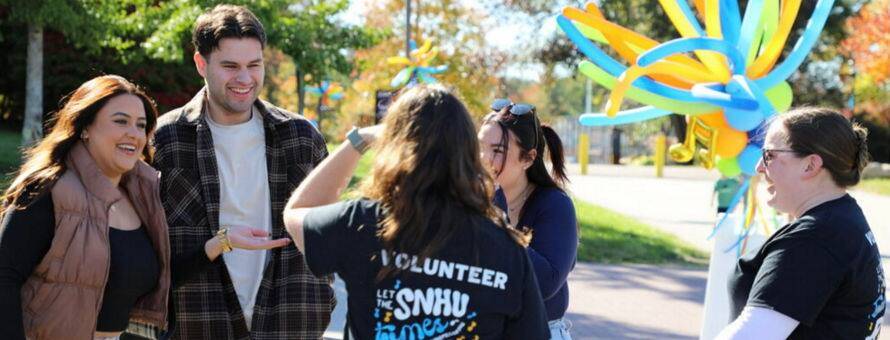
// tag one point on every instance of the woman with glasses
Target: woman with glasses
(514, 144)
(424, 253)
(819, 276)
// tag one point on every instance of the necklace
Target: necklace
(520, 201)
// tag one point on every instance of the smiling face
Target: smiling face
(784, 173)
(234, 75)
(117, 136)
(505, 166)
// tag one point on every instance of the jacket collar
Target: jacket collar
(195, 110)
(81, 161)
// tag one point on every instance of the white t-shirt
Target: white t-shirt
(243, 200)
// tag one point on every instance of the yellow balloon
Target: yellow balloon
(626, 36)
(765, 61)
(714, 62)
(398, 61)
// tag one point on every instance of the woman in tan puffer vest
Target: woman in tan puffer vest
(84, 250)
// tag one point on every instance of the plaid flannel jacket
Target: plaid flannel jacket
(291, 302)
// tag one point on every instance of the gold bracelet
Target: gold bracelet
(223, 235)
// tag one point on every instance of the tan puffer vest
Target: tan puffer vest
(62, 298)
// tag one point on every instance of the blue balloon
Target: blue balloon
(623, 117)
(690, 17)
(743, 120)
(748, 159)
(730, 23)
(750, 23)
(613, 67)
(801, 48)
(683, 45)
(708, 94)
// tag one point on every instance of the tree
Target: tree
(867, 44)
(455, 27)
(85, 23)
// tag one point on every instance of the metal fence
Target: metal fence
(600, 151)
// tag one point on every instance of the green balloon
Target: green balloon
(648, 98)
(780, 96)
(590, 32)
(729, 166)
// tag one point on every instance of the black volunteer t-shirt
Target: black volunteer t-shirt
(823, 270)
(480, 285)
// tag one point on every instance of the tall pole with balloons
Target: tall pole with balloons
(723, 76)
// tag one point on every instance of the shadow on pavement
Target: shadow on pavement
(672, 283)
(592, 327)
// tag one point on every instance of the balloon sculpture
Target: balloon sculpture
(417, 66)
(723, 77)
(328, 91)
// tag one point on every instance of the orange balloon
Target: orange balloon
(730, 142)
(714, 119)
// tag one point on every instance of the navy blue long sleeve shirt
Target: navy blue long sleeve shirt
(550, 213)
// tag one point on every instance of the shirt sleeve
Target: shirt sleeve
(325, 236)
(531, 321)
(25, 237)
(759, 323)
(554, 243)
(797, 278)
(189, 265)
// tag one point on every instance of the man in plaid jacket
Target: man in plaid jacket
(229, 163)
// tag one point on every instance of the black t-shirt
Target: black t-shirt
(823, 270)
(481, 283)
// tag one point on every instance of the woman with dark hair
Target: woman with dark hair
(84, 248)
(424, 253)
(819, 276)
(514, 143)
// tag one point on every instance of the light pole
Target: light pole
(407, 28)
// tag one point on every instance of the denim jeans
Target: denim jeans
(559, 329)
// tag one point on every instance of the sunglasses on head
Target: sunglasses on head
(517, 110)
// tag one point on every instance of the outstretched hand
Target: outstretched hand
(253, 239)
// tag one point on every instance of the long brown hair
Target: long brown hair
(532, 135)
(45, 162)
(428, 175)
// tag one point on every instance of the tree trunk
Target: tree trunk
(301, 92)
(318, 112)
(32, 127)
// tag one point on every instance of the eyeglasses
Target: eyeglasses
(768, 154)
(517, 110)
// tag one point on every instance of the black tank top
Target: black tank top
(134, 272)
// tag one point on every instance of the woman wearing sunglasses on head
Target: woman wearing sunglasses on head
(513, 143)
(424, 253)
(819, 276)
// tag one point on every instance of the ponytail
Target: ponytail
(557, 158)
(537, 173)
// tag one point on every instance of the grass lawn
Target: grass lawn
(875, 185)
(610, 237)
(10, 157)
